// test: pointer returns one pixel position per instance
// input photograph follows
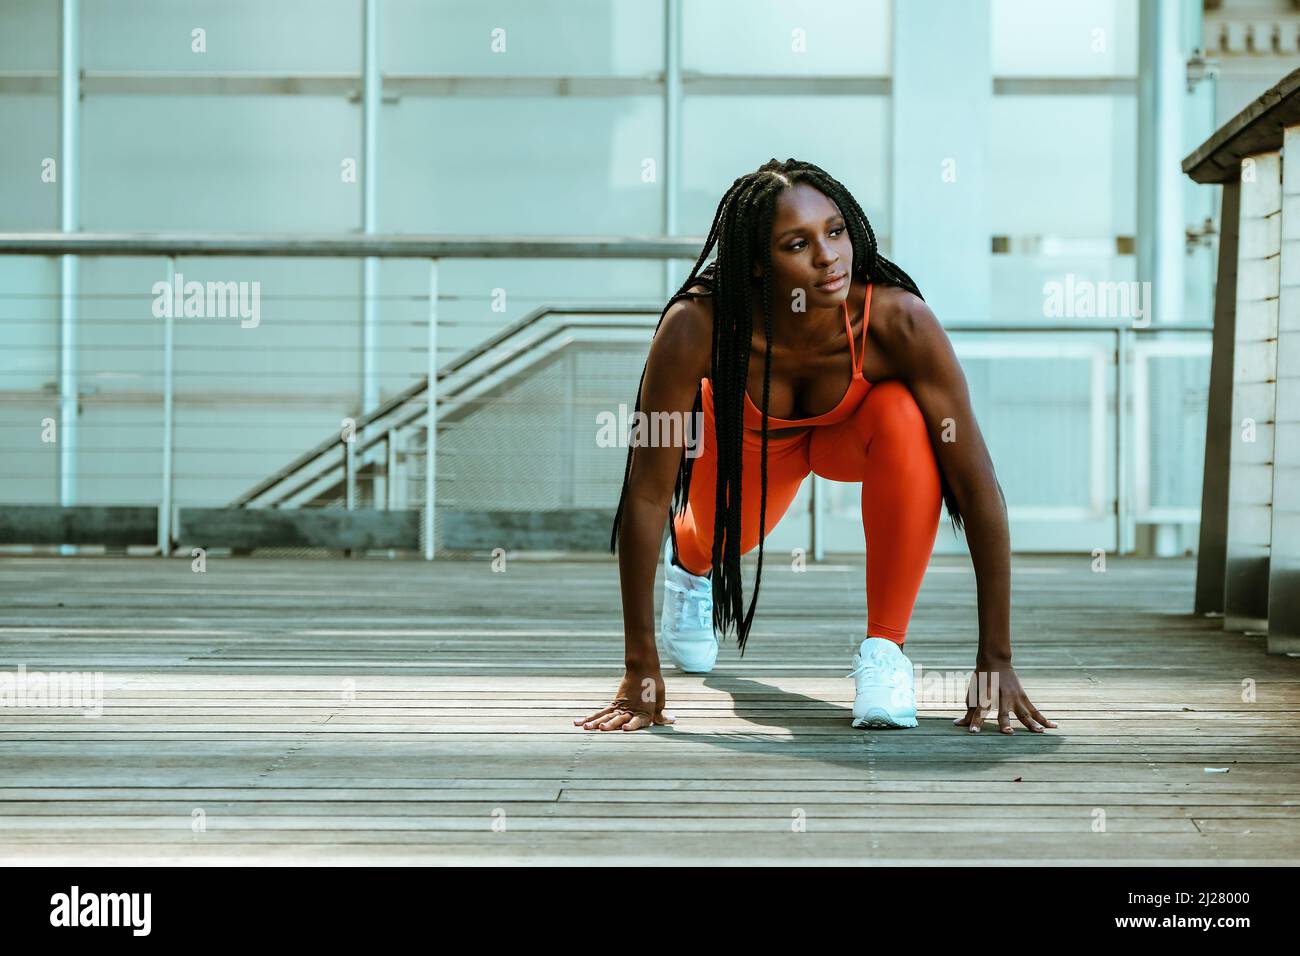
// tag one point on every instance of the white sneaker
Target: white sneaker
(686, 624)
(886, 691)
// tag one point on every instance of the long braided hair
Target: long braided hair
(742, 230)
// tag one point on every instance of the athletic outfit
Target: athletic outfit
(875, 435)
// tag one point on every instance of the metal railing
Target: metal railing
(336, 462)
(370, 246)
(339, 461)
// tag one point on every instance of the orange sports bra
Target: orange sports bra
(857, 390)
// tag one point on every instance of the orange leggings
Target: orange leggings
(883, 444)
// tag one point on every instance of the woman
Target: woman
(798, 259)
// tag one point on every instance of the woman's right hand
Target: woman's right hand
(638, 703)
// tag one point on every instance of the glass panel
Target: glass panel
(1022, 290)
(786, 37)
(550, 166)
(1053, 157)
(287, 36)
(1044, 189)
(575, 38)
(724, 137)
(1065, 37)
(29, 130)
(1178, 396)
(29, 39)
(220, 163)
(29, 368)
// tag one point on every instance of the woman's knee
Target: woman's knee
(894, 413)
(900, 438)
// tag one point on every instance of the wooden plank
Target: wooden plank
(1254, 398)
(225, 691)
(784, 846)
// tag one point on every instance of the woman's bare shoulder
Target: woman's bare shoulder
(889, 303)
(687, 332)
(906, 332)
(894, 313)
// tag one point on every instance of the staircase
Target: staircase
(538, 376)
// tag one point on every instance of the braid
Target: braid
(681, 488)
(765, 229)
(730, 583)
(741, 231)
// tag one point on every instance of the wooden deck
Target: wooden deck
(372, 711)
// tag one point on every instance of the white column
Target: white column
(671, 172)
(431, 418)
(371, 99)
(1163, 140)
(69, 150)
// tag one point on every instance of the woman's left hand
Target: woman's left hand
(1000, 685)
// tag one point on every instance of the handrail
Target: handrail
(437, 247)
(410, 419)
(401, 398)
(390, 246)
(533, 317)
(406, 395)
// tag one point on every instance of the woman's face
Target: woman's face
(810, 244)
